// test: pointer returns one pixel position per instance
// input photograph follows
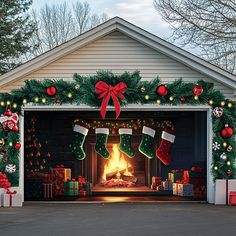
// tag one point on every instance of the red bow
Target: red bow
(106, 91)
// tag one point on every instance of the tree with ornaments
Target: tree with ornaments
(35, 154)
(9, 145)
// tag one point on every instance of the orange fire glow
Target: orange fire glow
(117, 165)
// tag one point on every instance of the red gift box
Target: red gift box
(232, 198)
(4, 183)
(59, 176)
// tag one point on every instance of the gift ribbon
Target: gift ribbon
(106, 92)
(10, 193)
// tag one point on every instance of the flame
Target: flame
(117, 164)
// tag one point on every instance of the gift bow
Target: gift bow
(106, 92)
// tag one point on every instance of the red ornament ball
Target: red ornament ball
(182, 99)
(5, 159)
(17, 145)
(226, 132)
(162, 90)
(135, 127)
(229, 172)
(51, 90)
(58, 101)
(197, 90)
(4, 151)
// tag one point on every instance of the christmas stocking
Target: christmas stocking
(146, 146)
(163, 152)
(125, 142)
(78, 140)
(101, 142)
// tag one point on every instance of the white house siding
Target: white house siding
(118, 53)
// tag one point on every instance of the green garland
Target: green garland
(82, 91)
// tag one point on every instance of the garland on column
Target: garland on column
(122, 90)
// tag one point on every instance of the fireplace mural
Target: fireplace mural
(119, 174)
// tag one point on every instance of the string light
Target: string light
(171, 98)
(14, 105)
(228, 163)
(230, 105)
(10, 144)
(2, 103)
(225, 144)
(8, 103)
(36, 99)
(215, 167)
(24, 101)
(158, 101)
(211, 102)
(43, 100)
(195, 97)
(222, 103)
(69, 95)
(146, 97)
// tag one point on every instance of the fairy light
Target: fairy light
(36, 99)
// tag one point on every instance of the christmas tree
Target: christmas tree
(35, 154)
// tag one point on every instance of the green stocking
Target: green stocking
(78, 140)
(125, 142)
(146, 146)
(101, 142)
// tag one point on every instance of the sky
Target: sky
(138, 12)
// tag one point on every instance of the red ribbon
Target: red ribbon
(11, 193)
(106, 92)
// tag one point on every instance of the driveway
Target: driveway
(131, 219)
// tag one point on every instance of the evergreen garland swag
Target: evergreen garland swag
(82, 91)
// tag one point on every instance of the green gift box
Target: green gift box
(71, 188)
(175, 176)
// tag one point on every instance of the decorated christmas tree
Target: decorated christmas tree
(35, 153)
(9, 146)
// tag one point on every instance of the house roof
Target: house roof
(132, 31)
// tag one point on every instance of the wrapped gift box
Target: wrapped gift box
(175, 188)
(47, 191)
(71, 188)
(167, 185)
(12, 200)
(185, 190)
(47, 178)
(223, 188)
(175, 176)
(59, 176)
(156, 180)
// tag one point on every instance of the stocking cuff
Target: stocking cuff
(102, 131)
(80, 129)
(125, 131)
(149, 131)
(168, 137)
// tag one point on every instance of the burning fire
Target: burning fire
(117, 166)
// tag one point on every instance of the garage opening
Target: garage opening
(52, 171)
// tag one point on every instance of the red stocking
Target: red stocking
(163, 151)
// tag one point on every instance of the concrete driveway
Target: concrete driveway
(131, 219)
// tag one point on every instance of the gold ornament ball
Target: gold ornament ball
(24, 101)
(215, 167)
(158, 101)
(171, 98)
(224, 144)
(222, 103)
(230, 104)
(2, 103)
(14, 105)
(146, 97)
(8, 103)
(77, 87)
(36, 99)
(2, 142)
(69, 95)
(195, 97)
(43, 100)
(142, 89)
(211, 102)
(10, 144)
(228, 163)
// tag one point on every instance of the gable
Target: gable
(118, 53)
